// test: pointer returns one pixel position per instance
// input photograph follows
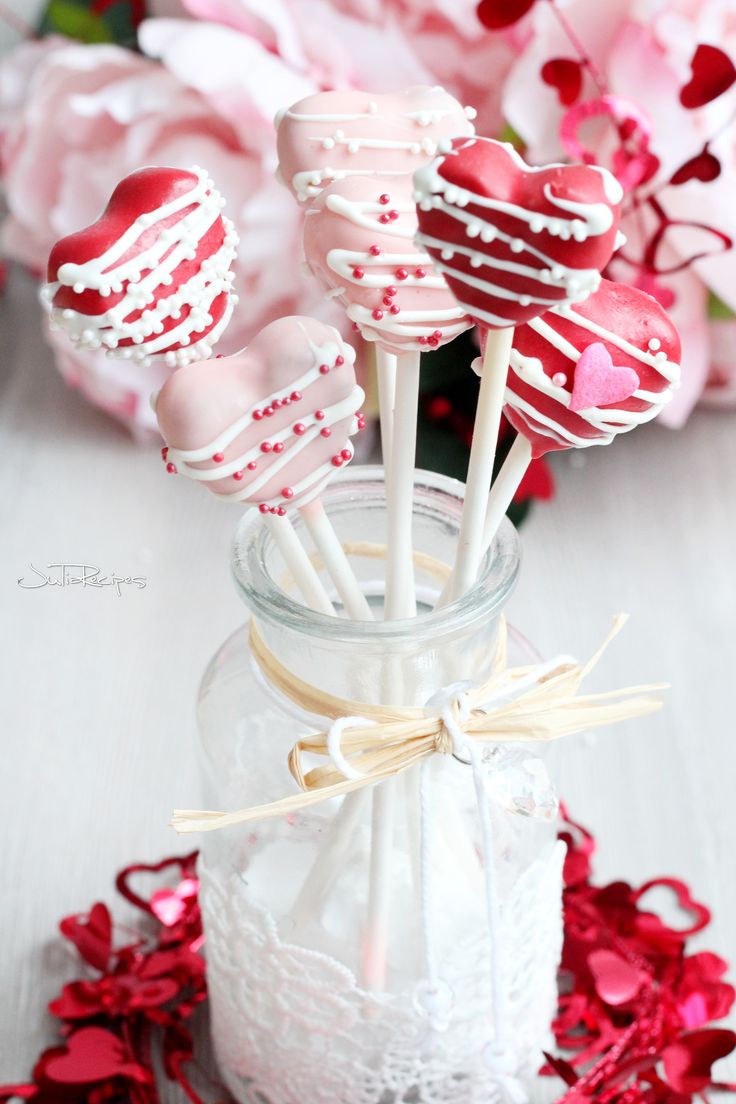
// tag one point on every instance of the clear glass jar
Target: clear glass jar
(301, 1014)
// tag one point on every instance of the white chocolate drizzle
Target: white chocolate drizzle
(434, 192)
(337, 134)
(442, 321)
(270, 464)
(108, 275)
(608, 421)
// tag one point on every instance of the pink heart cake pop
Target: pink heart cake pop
(151, 278)
(514, 241)
(332, 135)
(268, 425)
(583, 373)
(359, 242)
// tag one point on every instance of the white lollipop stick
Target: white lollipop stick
(482, 455)
(386, 377)
(503, 490)
(400, 599)
(336, 562)
(400, 602)
(299, 564)
(505, 487)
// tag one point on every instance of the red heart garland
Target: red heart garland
(616, 980)
(713, 73)
(497, 14)
(566, 75)
(705, 167)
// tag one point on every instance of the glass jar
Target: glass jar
(348, 943)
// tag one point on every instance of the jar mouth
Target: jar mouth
(436, 497)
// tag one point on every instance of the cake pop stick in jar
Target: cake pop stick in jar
(151, 279)
(580, 375)
(337, 135)
(268, 427)
(359, 242)
(513, 242)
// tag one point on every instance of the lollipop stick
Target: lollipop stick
(400, 596)
(386, 376)
(503, 490)
(299, 564)
(336, 562)
(482, 455)
(505, 487)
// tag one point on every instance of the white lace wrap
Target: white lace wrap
(293, 1026)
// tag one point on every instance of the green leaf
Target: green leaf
(717, 309)
(508, 134)
(75, 21)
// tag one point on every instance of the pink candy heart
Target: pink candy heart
(598, 381)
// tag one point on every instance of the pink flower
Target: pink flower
(75, 119)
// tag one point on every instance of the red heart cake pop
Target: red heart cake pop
(514, 241)
(150, 278)
(359, 241)
(332, 135)
(583, 373)
(269, 425)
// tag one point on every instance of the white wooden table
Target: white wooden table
(96, 709)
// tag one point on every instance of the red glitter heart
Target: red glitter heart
(92, 937)
(713, 73)
(687, 1062)
(92, 1054)
(566, 75)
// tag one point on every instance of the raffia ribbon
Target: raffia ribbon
(539, 702)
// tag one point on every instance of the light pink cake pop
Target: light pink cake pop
(269, 425)
(332, 135)
(359, 242)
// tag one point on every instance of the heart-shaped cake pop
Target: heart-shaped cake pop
(150, 278)
(269, 425)
(359, 242)
(515, 241)
(332, 135)
(627, 351)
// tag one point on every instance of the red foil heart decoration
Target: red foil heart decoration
(513, 241)
(634, 333)
(151, 278)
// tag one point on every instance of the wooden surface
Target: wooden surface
(96, 710)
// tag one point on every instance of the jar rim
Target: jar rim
(265, 598)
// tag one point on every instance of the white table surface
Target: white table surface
(96, 709)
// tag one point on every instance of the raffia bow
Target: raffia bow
(539, 702)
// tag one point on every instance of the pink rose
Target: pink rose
(381, 45)
(75, 119)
